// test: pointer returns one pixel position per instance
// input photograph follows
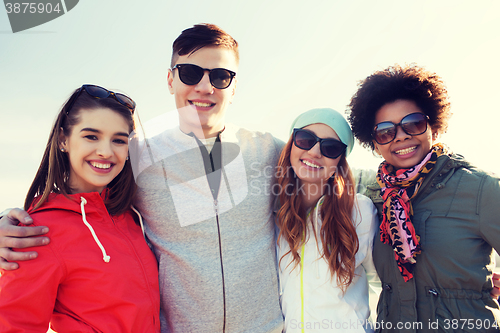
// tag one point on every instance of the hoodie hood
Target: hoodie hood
(72, 202)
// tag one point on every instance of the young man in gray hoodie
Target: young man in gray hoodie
(205, 192)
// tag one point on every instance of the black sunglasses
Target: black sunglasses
(412, 124)
(100, 92)
(191, 74)
(331, 148)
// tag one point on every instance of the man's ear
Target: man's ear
(170, 80)
(234, 90)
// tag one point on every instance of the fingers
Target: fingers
(22, 238)
(9, 255)
(16, 215)
(18, 237)
(495, 292)
(14, 236)
(8, 266)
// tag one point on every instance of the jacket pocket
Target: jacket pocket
(419, 221)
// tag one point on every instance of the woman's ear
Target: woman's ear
(375, 148)
(435, 136)
(63, 146)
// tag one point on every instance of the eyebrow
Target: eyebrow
(93, 130)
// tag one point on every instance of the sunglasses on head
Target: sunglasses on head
(304, 139)
(412, 124)
(100, 92)
(191, 74)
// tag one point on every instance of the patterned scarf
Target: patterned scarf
(399, 187)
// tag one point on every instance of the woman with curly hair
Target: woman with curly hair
(440, 216)
(325, 229)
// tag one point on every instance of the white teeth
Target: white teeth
(311, 164)
(201, 104)
(101, 165)
(405, 151)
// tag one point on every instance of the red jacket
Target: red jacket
(71, 286)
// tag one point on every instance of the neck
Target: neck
(311, 194)
(203, 133)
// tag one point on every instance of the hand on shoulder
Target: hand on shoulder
(18, 237)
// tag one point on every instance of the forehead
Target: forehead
(211, 57)
(322, 131)
(102, 119)
(395, 111)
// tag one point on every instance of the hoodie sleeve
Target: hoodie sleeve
(366, 232)
(28, 294)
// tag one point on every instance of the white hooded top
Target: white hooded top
(310, 299)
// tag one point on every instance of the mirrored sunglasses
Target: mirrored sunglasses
(412, 124)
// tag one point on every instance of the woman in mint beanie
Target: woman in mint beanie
(325, 229)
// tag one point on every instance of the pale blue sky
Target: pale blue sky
(294, 56)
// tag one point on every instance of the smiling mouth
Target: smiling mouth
(103, 166)
(312, 165)
(201, 104)
(405, 151)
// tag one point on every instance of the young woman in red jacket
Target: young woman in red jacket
(98, 273)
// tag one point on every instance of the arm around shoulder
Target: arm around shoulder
(17, 237)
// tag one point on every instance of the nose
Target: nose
(104, 150)
(315, 151)
(401, 135)
(204, 86)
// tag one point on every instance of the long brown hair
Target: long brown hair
(338, 232)
(53, 172)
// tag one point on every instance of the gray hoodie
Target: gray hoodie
(216, 253)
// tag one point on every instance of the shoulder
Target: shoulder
(61, 223)
(364, 204)
(471, 174)
(489, 187)
(364, 178)
(52, 210)
(257, 141)
(364, 210)
(251, 136)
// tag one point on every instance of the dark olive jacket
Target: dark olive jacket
(457, 216)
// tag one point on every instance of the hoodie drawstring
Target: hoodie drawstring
(317, 228)
(140, 220)
(105, 257)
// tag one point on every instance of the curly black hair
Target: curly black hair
(409, 82)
